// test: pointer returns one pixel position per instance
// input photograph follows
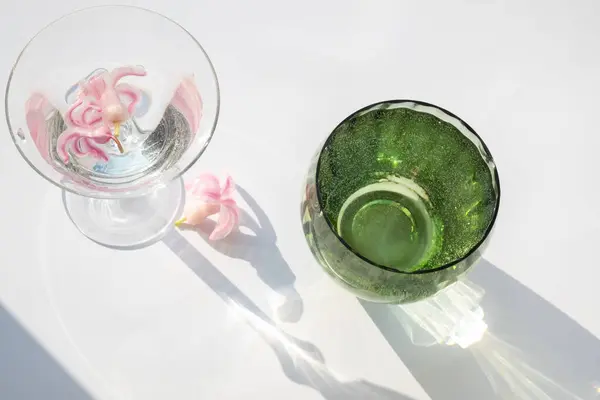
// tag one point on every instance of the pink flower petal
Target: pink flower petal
(209, 197)
(82, 141)
(201, 213)
(180, 103)
(228, 219)
(228, 188)
(95, 151)
(188, 101)
(119, 73)
(80, 147)
(64, 140)
(94, 87)
(132, 94)
(206, 184)
(37, 108)
(70, 119)
(93, 113)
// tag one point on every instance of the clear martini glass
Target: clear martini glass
(113, 104)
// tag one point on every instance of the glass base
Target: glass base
(130, 223)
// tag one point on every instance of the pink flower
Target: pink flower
(209, 199)
(101, 103)
(84, 142)
(102, 98)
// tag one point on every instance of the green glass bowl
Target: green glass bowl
(400, 201)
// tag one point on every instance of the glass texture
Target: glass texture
(400, 200)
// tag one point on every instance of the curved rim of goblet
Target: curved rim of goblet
(124, 193)
(495, 177)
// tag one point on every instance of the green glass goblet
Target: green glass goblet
(400, 201)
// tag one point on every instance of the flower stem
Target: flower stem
(180, 221)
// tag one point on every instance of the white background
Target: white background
(84, 321)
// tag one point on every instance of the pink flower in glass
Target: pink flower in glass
(211, 199)
(101, 103)
(84, 142)
(102, 98)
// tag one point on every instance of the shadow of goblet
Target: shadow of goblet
(490, 337)
(259, 249)
(301, 361)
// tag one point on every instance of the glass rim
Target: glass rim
(495, 178)
(124, 193)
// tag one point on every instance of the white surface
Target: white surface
(144, 325)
